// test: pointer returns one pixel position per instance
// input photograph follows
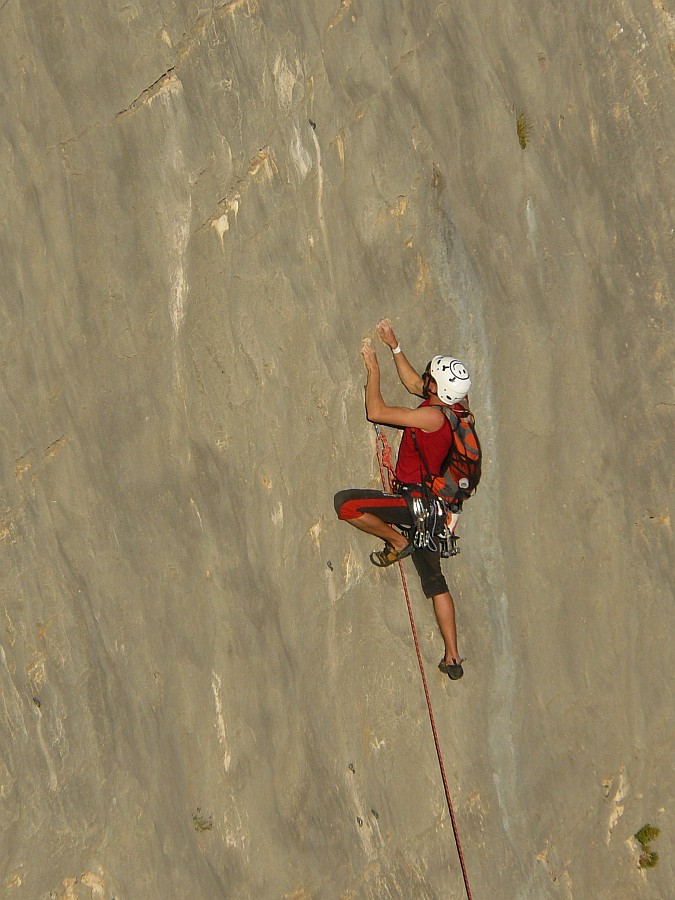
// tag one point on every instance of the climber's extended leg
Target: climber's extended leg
(444, 607)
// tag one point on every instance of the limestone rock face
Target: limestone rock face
(207, 690)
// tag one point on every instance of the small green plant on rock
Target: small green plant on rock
(523, 128)
(647, 834)
(202, 823)
(648, 857)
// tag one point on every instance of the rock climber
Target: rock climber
(426, 439)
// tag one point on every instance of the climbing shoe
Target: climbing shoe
(453, 669)
(389, 555)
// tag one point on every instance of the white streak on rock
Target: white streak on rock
(179, 286)
(221, 223)
(531, 225)
(299, 156)
(285, 81)
(197, 511)
(319, 209)
(164, 87)
(53, 780)
(220, 722)
(617, 804)
(315, 534)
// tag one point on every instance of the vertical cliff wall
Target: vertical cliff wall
(207, 691)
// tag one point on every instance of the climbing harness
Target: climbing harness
(385, 463)
(434, 518)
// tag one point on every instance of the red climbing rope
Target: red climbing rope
(385, 461)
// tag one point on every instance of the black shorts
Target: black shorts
(393, 509)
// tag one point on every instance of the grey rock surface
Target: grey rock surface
(207, 691)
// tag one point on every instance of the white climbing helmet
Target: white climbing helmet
(451, 377)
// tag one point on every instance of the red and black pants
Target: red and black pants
(393, 509)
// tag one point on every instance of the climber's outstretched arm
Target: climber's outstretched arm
(426, 418)
(410, 380)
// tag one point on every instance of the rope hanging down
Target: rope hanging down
(385, 461)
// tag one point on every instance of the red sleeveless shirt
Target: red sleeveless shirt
(434, 446)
